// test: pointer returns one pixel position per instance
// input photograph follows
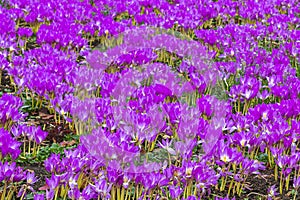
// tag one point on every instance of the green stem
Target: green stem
(239, 104)
(122, 193)
(170, 161)
(56, 193)
(23, 194)
(185, 192)
(118, 193)
(189, 187)
(281, 184)
(296, 192)
(242, 186)
(10, 193)
(245, 108)
(113, 193)
(29, 146)
(287, 182)
(32, 100)
(34, 148)
(276, 172)
(37, 101)
(24, 146)
(140, 192)
(4, 191)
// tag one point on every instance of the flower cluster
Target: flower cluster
(9, 106)
(141, 81)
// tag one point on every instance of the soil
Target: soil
(56, 132)
(39, 171)
(5, 85)
(257, 186)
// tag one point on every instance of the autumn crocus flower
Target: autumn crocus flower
(24, 32)
(296, 182)
(53, 181)
(242, 139)
(226, 155)
(6, 170)
(18, 175)
(175, 191)
(272, 192)
(126, 181)
(39, 197)
(52, 163)
(30, 178)
(187, 169)
(166, 144)
(102, 188)
(10, 105)
(50, 194)
(8, 145)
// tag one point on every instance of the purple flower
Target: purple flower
(226, 155)
(149, 180)
(113, 174)
(126, 180)
(53, 181)
(74, 193)
(52, 164)
(102, 188)
(7, 171)
(175, 191)
(8, 145)
(263, 95)
(272, 192)
(296, 182)
(173, 110)
(25, 32)
(49, 194)
(89, 193)
(30, 178)
(198, 82)
(166, 144)
(18, 175)
(73, 164)
(205, 106)
(72, 180)
(242, 139)
(185, 148)
(39, 197)
(10, 105)
(40, 135)
(252, 166)
(192, 197)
